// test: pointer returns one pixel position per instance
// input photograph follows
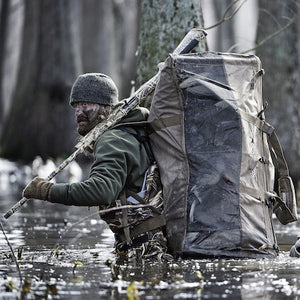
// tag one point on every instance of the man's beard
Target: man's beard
(85, 125)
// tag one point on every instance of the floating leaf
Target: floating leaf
(77, 263)
(10, 286)
(56, 251)
(132, 290)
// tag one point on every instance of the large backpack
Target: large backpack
(213, 148)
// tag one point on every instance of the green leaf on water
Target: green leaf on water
(10, 286)
(132, 290)
(56, 251)
(77, 263)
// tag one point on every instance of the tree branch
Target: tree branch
(226, 16)
(269, 37)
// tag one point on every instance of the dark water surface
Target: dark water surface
(83, 265)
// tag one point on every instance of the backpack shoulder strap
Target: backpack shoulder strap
(143, 139)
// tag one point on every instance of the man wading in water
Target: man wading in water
(122, 160)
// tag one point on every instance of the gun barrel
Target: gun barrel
(15, 208)
(21, 202)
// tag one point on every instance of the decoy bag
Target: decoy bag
(216, 156)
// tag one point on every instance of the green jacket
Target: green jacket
(120, 161)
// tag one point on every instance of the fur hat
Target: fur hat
(96, 88)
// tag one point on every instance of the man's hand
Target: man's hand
(38, 188)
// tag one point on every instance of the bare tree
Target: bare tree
(231, 24)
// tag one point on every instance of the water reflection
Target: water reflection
(83, 265)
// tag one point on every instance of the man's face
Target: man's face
(87, 115)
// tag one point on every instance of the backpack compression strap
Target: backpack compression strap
(286, 204)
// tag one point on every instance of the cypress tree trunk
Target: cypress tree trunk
(281, 59)
(4, 13)
(40, 120)
(163, 25)
(11, 24)
(59, 40)
(109, 39)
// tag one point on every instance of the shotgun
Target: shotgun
(189, 42)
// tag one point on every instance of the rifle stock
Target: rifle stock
(189, 42)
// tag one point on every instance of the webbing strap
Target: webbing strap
(282, 168)
(124, 218)
(141, 200)
(143, 139)
(255, 77)
(258, 194)
(260, 124)
(285, 215)
(270, 131)
(162, 123)
(146, 226)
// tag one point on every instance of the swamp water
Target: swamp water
(83, 265)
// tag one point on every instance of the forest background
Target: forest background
(46, 44)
